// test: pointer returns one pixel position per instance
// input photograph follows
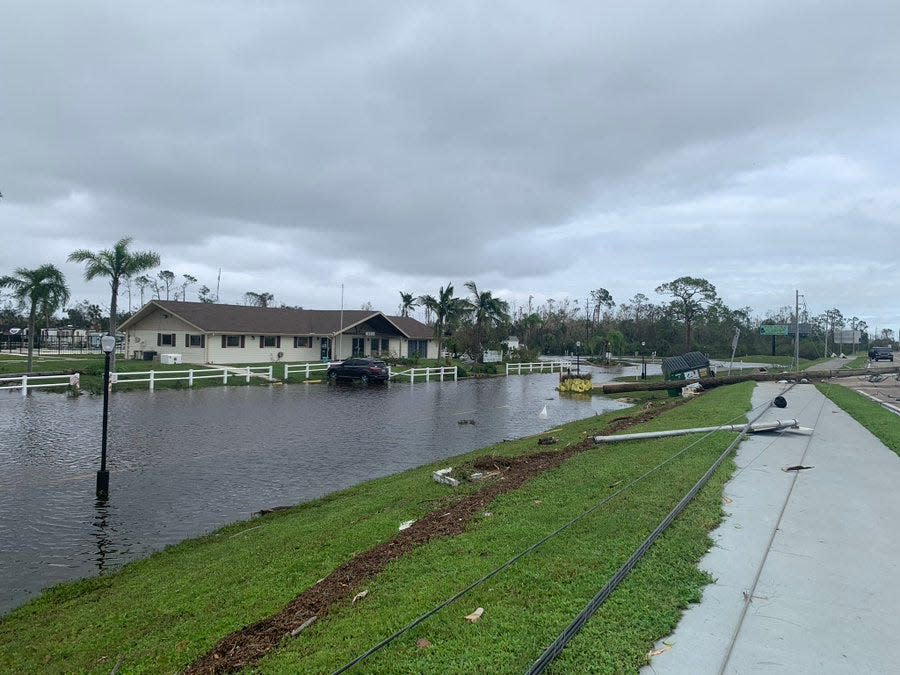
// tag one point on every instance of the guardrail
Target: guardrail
(428, 373)
(304, 368)
(26, 382)
(538, 367)
(151, 377)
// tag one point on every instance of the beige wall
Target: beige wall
(143, 336)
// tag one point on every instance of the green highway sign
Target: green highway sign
(774, 329)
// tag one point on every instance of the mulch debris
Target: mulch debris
(247, 646)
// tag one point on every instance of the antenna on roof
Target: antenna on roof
(218, 281)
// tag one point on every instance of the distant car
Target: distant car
(364, 370)
(881, 354)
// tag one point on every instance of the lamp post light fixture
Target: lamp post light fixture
(578, 358)
(643, 361)
(108, 345)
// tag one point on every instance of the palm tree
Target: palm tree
(116, 264)
(42, 290)
(446, 310)
(407, 302)
(486, 310)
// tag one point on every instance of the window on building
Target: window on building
(165, 339)
(269, 341)
(194, 340)
(232, 341)
(359, 346)
(417, 348)
(303, 342)
(385, 345)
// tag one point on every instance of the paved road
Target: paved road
(815, 550)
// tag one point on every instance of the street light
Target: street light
(643, 362)
(108, 345)
(578, 358)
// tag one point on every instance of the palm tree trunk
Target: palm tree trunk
(31, 329)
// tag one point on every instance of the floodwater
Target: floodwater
(183, 463)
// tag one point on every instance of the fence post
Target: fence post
(248, 374)
(24, 385)
(270, 373)
(190, 378)
(286, 371)
(152, 375)
(455, 373)
(224, 376)
(427, 374)
(442, 373)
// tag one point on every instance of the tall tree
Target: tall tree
(167, 277)
(41, 289)
(601, 298)
(115, 264)
(204, 294)
(486, 310)
(188, 281)
(407, 303)
(258, 299)
(689, 295)
(445, 308)
(143, 282)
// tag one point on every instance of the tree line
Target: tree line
(691, 315)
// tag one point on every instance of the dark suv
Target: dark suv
(364, 370)
(881, 353)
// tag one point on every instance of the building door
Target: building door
(359, 346)
(325, 348)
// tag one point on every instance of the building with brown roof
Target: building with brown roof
(223, 334)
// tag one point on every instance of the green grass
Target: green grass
(882, 423)
(859, 361)
(161, 613)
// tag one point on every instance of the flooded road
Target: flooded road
(183, 463)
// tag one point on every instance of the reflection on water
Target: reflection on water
(186, 462)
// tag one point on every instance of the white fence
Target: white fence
(304, 369)
(428, 373)
(154, 376)
(26, 382)
(538, 367)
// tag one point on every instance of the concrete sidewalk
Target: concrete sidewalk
(817, 550)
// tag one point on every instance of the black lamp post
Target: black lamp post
(578, 358)
(643, 362)
(107, 344)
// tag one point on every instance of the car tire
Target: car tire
(364, 379)
(332, 376)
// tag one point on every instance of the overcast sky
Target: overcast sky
(538, 148)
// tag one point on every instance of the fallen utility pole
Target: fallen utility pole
(759, 427)
(710, 382)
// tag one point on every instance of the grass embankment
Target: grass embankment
(162, 613)
(882, 423)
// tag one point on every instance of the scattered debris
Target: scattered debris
(422, 643)
(474, 616)
(543, 414)
(465, 422)
(442, 476)
(803, 380)
(726, 501)
(661, 650)
(798, 467)
(487, 514)
(405, 525)
(548, 440)
(359, 596)
(537, 502)
(691, 390)
(780, 402)
(303, 626)
(477, 476)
